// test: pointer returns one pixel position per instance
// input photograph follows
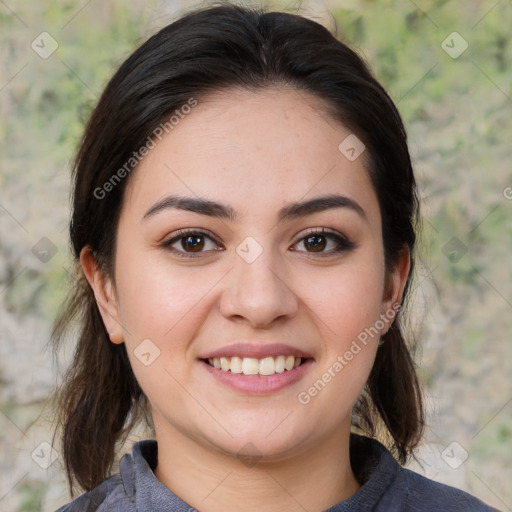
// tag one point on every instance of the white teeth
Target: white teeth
(252, 366)
(236, 365)
(249, 366)
(267, 366)
(224, 363)
(280, 362)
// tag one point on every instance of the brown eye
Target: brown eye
(195, 243)
(316, 241)
(191, 243)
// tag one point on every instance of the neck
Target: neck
(214, 481)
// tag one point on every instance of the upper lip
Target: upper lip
(256, 350)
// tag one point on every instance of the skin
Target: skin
(257, 152)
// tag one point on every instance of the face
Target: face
(262, 275)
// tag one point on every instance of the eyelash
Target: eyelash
(344, 244)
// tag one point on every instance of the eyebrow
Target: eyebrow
(291, 211)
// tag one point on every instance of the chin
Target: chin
(264, 444)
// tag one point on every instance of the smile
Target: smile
(252, 366)
(257, 376)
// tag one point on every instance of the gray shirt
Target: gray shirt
(386, 486)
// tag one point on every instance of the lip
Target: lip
(259, 384)
(257, 351)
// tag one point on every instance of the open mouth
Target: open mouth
(251, 366)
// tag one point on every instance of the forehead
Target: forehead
(256, 150)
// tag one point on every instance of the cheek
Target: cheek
(160, 301)
(167, 306)
(349, 308)
(347, 317)
(349, 300)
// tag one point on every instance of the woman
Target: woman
(243, 223)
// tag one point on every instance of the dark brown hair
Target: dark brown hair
(206, 50)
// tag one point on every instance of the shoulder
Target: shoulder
(109, 495)
(389, 486)
(420, 493)
(117, 493)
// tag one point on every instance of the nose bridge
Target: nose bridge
(257, 288)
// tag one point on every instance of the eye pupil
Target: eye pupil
(196, 243)
(318, 246)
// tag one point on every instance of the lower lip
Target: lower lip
(259, 384)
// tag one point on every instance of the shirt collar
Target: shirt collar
(371, 461)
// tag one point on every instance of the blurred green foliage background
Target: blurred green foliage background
(457, 113)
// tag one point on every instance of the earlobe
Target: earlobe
(104, 294)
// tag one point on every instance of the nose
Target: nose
(258, 292)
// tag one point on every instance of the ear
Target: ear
(394, 288)
(104, 293)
